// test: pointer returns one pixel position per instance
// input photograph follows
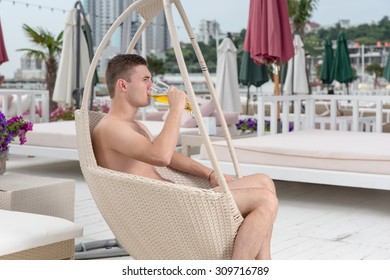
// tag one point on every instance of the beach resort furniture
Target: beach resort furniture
(36, 217)
(58, 139)
(152, 219)
(54, 140)
(192, 142)
(36, 237)
(38, 194)
(344, 158)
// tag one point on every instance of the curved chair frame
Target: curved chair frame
(150, 218)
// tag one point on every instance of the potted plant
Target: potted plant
(9, 130)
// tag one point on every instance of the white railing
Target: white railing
(304, 113)
(31, 98)
(370, 92)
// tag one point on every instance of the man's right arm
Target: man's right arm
(121, 137)
(169, 135)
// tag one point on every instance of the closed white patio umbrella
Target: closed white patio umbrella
(66, 82)
(296, 79)
(226, 87)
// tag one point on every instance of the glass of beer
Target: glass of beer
(159, 93)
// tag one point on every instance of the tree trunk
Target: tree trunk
(51, 76)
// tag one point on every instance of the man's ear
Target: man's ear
(122, 84)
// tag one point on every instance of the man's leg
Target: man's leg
(256, 199)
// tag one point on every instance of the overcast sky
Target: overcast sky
(232, 15)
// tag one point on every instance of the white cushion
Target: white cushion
(21, 231)
(317, 149)
(231, 118)
(206, 107)
(61, 134)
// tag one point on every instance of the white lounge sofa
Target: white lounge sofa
(33, 236)
(58, 139)
(344, 158)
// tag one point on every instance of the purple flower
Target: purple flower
(248, 124)
(28, 126)
(14, 127)
(290, 126)
(22, 139)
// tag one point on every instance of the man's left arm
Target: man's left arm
(188, 165)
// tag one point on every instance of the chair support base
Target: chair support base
(107, 248)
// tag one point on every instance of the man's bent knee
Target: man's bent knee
(272, 203)
(265, 181)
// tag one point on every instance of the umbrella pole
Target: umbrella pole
(78, 60)
(247, 100)
(275, 68)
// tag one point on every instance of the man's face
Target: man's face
(138, 91)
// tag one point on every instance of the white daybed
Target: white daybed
(30, 236)
(58, 139)
(356, 159)
(344, 158)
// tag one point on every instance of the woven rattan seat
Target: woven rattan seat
(154, 219)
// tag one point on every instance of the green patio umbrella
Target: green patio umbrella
(252, 74)
(327, 63)
(341, 68)
(386, 71)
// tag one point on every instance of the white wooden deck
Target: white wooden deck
(314, 221)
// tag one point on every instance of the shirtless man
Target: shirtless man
(124, 144)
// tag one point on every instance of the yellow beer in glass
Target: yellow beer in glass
(159, 93)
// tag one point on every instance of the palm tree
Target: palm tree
(49, 52)
(300, 11)
(376, 70)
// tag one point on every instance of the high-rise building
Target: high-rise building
(102, 14)
(209, 29)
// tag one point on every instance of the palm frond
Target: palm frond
(50, 47)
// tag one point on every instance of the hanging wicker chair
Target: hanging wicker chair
(154, 219)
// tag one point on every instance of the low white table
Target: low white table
(39, 195)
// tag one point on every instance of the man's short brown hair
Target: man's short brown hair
(121, 67)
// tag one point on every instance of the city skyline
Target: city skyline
(233, 19)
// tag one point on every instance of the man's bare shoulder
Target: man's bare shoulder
(113, 128)
(109, 123)
(109, 128)
(103, 126)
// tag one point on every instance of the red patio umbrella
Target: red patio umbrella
(3, 51)
(268, 37)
